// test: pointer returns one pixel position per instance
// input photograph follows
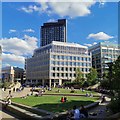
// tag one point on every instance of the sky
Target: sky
(87, 24)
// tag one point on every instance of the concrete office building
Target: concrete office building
(56, 63)
(12, 74)
(53, 31)
(103, 53)
(0, 63)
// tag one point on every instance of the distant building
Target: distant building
(13, 74)
(0, 63)
(56, 63)
(102, 54)
(53, 31)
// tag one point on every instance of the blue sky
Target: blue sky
(87, 24)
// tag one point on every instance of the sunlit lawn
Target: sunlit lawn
(53, 104)
(68, 91)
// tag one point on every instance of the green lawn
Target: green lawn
(53, 104)
(68, 91)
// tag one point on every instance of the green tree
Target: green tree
(92, 76)
(114, 81)
(79, 75)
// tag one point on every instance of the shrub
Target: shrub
(115, 105)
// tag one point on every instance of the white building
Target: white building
(102, 54)
(56, 63)
(13, 74)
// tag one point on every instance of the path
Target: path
(24, 92)
(100, 110)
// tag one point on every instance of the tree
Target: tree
(114, 81)
(92, 76)
(79, 75)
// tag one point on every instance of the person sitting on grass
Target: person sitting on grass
(65, 99)
(62, 99)
(76, 113)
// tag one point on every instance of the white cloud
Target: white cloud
(12, 59)
(29, 30)
(69, 9)
(51, 20)
(100, 36)
(12, 31)
(30, 9)
(89, 45)
(19, 46)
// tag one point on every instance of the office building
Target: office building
(102, 54)
(53, 31)
(56, 63)
(13, 74)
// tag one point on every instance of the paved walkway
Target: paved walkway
(24, 92)
(100, 111)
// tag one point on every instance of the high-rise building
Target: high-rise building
(56, 63)
(102, 54)
(53, 31)
(0, 63)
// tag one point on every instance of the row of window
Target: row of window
(70, 63)
(68, 69)
(64, 75)
(62, 57)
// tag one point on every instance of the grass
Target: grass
(53, 104)
(68, 91)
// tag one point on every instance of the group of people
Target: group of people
(76, 113)
(63, 99)
(89, 95)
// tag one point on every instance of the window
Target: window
(57, 74)
(62, 74)
(66, 69)
(53, 68)
(66, 74)
(62, 57)
(53, 75)
(74, 69)
(70, 69)
(74, 75)
(58, 57)
(58, 68)
(74, 58)
(70, 74)
(62, 68)
(70, 57)
(82, 58)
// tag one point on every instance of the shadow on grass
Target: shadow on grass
(62, 107)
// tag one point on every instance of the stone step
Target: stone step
(24, 114)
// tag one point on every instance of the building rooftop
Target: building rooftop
(104, 44)
(63, 44)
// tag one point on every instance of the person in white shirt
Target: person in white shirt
(76, 113)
